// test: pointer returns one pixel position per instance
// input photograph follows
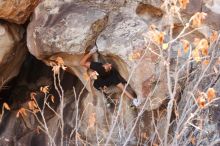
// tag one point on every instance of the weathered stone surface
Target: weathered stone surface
(66, 27)
(12, 52)
(122, 38)
(213, 14)
(209, 7)
(17, 11)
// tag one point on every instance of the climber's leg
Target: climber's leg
(122, 88)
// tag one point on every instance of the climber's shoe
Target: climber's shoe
(109, 102)
(136, 102)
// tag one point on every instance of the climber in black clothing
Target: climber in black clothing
(107, 75)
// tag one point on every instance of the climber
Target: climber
(107, 76)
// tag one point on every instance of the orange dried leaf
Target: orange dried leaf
(183, 3)
(211, 94)
(203, 45)
(195, 55)
(193, 140)
(59, 61)
(185, 45)
(6, 106)
(198, 18)
(205, 62)
(134, 56)
(44, 89)
(52, 98)
(158, 37)
(213, 36)
(92, 120)
(201, 101)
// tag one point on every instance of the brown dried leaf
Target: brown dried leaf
(211, 94)
(183, 3)
(198, 18)
(6, 106)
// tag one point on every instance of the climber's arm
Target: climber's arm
(84, 61)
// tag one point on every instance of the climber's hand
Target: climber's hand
(93, 50)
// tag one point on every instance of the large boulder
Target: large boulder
(65, 27)
(12, 52)
(17, 11)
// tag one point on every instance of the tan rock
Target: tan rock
(17, 11)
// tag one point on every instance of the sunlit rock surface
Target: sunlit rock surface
(17, 11)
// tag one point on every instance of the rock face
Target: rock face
(12, 52)
(66, 27)
(209, 7)
(17, 11)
